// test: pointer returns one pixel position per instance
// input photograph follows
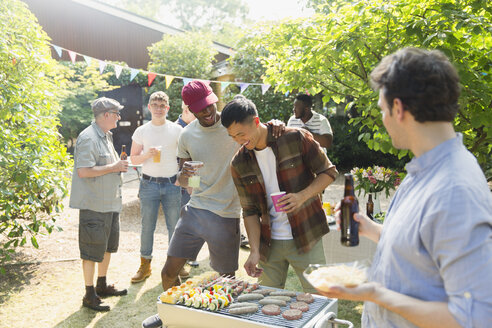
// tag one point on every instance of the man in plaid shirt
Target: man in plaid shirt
(293, 163)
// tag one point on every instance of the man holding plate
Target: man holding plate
(433, 261)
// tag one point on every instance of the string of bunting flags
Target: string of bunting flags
(152, 75)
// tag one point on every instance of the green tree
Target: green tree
(186, 55)
(247, 67)
(81, 84)
(34, 165)
(221, 18)
(334, 52)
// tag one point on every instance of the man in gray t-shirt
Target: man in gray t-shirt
(214, 204)
(96, 192)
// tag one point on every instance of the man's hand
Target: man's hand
(189, 170)
(251, 265)
(363, 292)
(121, 166)
(291, 202)
(151, 152)
(367, 227)
(278, 128)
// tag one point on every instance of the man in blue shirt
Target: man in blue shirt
(433, 263)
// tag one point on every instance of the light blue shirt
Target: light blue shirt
(436, 242)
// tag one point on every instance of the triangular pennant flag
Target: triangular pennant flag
(169, 79)
(264, 88)
(117, 70)
(72, 55)
(58, 50)
(224, 85)
(102, 66)
(186, 80)
(243, 86)
(88, 60)
(151, 77)
(133, 73)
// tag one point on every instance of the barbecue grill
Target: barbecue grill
(321, 314)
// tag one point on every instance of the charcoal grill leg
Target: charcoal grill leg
(331, 317)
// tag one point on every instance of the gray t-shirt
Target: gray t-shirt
(215, 148)
(99, 194)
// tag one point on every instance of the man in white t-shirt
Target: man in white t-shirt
(154, 146)
(304, 117)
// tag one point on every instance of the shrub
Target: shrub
(348, 151)
(34, 165)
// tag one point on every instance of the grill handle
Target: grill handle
(331, 317)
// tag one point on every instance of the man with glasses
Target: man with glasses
(96, 192)
(154, 146)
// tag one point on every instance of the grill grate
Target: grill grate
(314, 308)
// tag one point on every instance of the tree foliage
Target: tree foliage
(247, 67)
(186, 55)
(34, 165)
(335, 50)
(222, 18)
(81, 85)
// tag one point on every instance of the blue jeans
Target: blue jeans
(151, 195)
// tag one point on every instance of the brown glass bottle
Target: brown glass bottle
(123, 153)
(370, 208)
(350, 205)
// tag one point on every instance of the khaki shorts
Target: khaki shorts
(283, 253)
(98, 233)
(197, 226)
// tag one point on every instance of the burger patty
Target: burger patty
(305, 297)
(303, 306)
(292, 314)
(271, 309)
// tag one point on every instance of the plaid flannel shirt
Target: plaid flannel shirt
(299, 159)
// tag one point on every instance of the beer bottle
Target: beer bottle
(370, 208)
(123, 152)
(350, 205)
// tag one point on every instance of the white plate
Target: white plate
(324, 276)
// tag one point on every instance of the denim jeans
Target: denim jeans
(152, 194)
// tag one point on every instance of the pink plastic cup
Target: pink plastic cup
(275, 197)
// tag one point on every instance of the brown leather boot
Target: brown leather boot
(143, 272)
(183, 274)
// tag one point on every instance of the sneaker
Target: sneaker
(94, 303)
(244, 241)
(110, 290)
(194, 264)
(152, 322)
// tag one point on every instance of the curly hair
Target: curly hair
(305, 98)
(424, 80)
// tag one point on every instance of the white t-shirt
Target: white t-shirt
(281, 229)
(215, 148)
(166, 136)
(317, 124)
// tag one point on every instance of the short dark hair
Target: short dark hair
(305, 98)
(424, 80)
(238, 110)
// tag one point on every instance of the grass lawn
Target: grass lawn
(50, 294)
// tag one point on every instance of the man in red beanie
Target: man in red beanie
(212, 214)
